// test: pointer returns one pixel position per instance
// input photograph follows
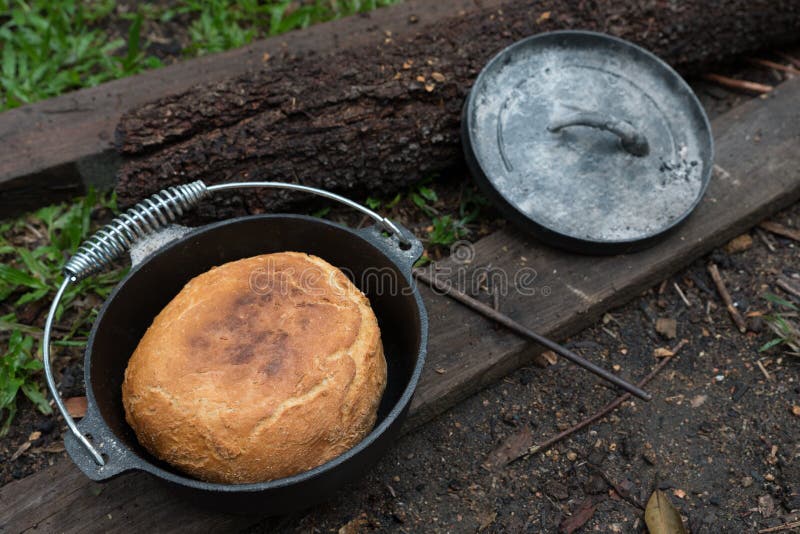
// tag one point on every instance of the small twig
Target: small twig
(772, 65)
(779, 528)
(682, 296)
(764, 370)
(610, 481)
(765, 239)
(787, 286)
(607, 409)
(733, 83)
(791, 59)
(780, 229)
(713, 270)
(511, 324)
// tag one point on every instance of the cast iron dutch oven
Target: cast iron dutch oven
(378, 258)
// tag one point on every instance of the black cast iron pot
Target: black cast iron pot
(379, 264)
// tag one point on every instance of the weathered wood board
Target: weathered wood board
(758, 151)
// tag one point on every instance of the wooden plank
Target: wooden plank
(757, 150)
(55, 148)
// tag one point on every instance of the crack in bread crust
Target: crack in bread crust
(239, 381)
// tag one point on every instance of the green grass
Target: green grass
(29, 276)
(445, 228)
(783, 323)
(49, 48)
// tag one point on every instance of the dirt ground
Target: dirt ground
(719, 437)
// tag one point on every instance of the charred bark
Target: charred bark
(373, 120)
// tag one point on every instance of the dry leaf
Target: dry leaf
(661, 516)
(662, 352)
(583, 514)
(76, 406)
(545, 359)
(512, 447)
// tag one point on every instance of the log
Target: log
(56, 148)
(372, 119)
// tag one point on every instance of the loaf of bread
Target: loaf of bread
(258, 369)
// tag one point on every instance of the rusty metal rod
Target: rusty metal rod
(524, 331)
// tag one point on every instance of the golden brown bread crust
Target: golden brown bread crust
(258, 369)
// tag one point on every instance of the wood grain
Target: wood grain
(759, 174)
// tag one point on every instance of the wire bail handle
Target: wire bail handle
(145, 218)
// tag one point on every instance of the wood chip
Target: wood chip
(698, 401)
(662, 352)
(545, 359)
(76, 406)
(739, 244)
(20, 451)
(543, 17)
(438, 76)
(34, 435)
(667, 327)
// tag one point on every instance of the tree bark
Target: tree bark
(373, 120)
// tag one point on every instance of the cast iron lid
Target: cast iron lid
(591, 142)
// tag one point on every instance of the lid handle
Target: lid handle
(632, 141)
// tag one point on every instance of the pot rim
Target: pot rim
(396, 413)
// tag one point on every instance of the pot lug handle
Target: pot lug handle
(403, 251)
(632, 141)
(148, 217)
(115, 456)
